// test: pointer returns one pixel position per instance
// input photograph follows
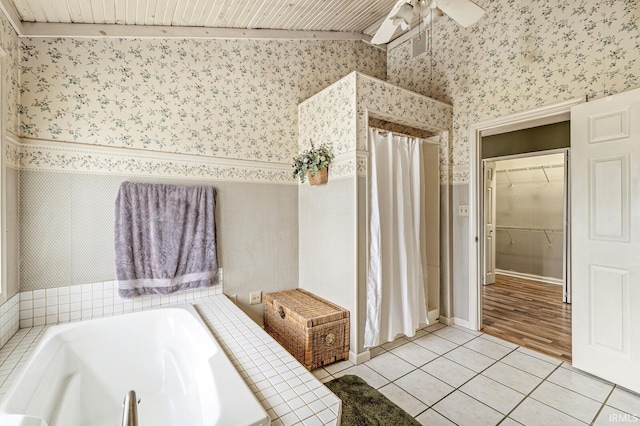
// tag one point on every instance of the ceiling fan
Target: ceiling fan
(464, 12)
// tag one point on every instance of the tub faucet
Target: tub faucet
(130, 409)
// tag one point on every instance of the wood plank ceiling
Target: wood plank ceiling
(357, 16)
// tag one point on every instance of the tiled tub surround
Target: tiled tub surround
(9, 319)
(450, 375)
(290, 394)
(87, 301)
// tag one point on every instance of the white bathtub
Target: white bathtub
(79, 374)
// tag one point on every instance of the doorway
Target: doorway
(526, 294)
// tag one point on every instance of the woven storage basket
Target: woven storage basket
(313, 330)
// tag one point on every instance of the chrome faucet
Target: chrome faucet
(130, 409)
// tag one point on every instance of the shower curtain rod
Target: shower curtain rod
(396, 133)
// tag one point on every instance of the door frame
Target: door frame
(522, 120)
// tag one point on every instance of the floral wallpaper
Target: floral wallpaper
(10, 43)
(338, 116)
(523, 54)
(222, 98)
(329, 117)
(392, 103)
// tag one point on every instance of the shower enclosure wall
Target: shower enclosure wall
(333, 218)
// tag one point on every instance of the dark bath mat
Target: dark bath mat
(362, 405)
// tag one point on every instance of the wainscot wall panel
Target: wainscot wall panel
(67, 222)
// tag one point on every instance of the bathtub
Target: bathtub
(79, 374)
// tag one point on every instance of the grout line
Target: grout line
(554, 408)
(533, 390)
(604, 403)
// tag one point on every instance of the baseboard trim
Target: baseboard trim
(462, 323)
(445, 320)
(359, 358)
(547, 280)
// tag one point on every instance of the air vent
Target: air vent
(419, 44)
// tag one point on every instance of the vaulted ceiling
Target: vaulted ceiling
(344, 16)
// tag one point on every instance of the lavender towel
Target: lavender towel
(165, 238)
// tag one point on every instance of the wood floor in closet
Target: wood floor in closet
(528, 313)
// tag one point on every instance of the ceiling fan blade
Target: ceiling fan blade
(387, 29)
(464, 12)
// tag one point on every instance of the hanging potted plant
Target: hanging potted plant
(313, 163)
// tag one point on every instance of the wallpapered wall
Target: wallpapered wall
(523, 54)
(338, 116)
(223, 98)
(10, 43)
(216, 99)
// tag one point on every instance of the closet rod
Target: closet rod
(546, 231)
(522, 169)
(524, 228)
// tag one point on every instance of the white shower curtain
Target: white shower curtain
(396, 300)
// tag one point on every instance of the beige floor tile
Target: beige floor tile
(485, 347)
(470, 359)
(414, 354)
(499, 341)
(419, 334)
(569, 402)
(497, 396)
(338, 366)
(374, 352)
(530, 364)
(423, 386)
(449, 372)
(403, 399)
(464, 410)
(536, 354)
(624, 400)
(534, 413)
(466, 330)
(434, 327)
(398, 342)
(435, 344)
(389, 366)
(584, 385)
(512, 377)
(454, 335)
(509, 422)
(374, 379)
(432, 418)
(320, 373)
(613, 416)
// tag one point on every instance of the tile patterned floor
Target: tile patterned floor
(454, 376)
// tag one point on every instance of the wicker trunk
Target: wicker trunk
(313, 330)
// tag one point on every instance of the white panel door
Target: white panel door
(489, 222)
(605, 237)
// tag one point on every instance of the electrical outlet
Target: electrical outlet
(233, 298)
(463, 210)
(255, 297)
